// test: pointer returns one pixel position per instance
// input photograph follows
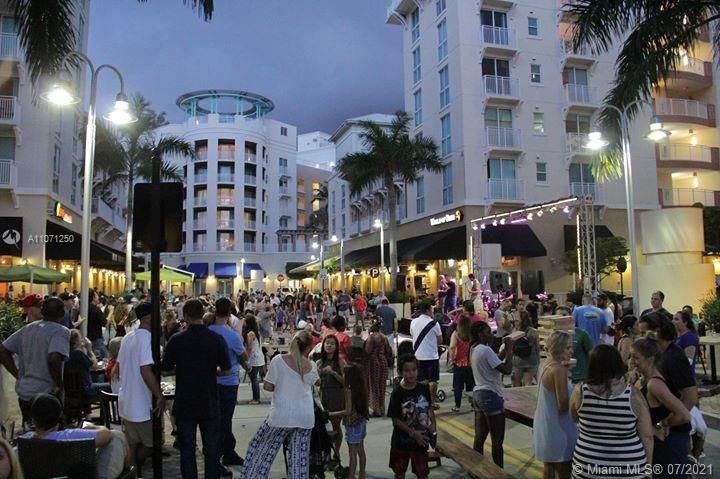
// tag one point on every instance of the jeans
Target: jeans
(462, 378)
(98, 345)
(94, 389)
(227, 395)
(255, 382)
(210, 432)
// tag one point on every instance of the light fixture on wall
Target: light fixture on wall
(451, 262)
(696, 180)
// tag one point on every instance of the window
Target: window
(498, 117)
(417, 71)
(283, 131)
(283, 222)
(440, 6)
(315, 205)
(56, 170)
(539, 123)
(495, 67)
(417, 96)
(576, 76)
(447, 179)
(501, 169)
(444, 87)
(442, 40)
(581, 173)
(492, 18)
(415, 25)
(73, 189)
(577, 123)
(541, 172)
(420, 201)
(535, 73)
(446, 142)
(501, 179)
(533, 29)
(334, 226)
(342, 197)
(342, 221)
(332, 202)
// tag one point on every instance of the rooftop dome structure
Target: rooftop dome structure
(225, 103)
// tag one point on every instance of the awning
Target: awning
(225, 270)
(166, 274)
(367, 256)
(314, 265)
(200, 270)
(515, 240)
(248, 267)
(570, 231)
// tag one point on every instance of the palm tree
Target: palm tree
(391, 156)
(125, 155)
(319, 218)
(46, 32)
(656, 34)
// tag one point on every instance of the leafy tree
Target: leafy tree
(391, 155)
(607, 253)
(711, 226)
(319, 219)
(124, 155)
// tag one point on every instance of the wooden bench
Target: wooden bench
(472, 462)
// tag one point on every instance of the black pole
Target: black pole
(157, 222)
(622, 290)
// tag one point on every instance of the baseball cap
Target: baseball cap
(302, 324)
(32, 300)
(143, 309)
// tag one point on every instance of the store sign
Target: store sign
(374, 272)
(62, 213)
(456, 217)
(11, 233)
(280, 278)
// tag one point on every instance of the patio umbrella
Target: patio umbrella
(32, 274)
(167, 275)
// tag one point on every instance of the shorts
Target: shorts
(488, 402)
(399, 459)
(429, 370)
(138, 433)
(525, 369)
(356, 434)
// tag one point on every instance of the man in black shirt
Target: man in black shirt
(656, 301)
(196, 355)
(96, 321)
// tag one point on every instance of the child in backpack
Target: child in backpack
(413, 421)
(355, 418)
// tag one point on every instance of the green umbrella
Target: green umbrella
(32, 274)
(167, 275)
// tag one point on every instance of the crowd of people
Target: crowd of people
(618, 390)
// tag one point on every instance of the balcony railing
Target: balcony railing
(251, 202)
(8, 45)
(580, 94)
(499, 36)
(250, 225)
(502, 137)
(364, 224)
(201, 155)
(200, 202)
(250, 247)
(226, 178)
(225, 246)
(680, 107)
(225, 201)
(250, 180)
(574, 142)
(226, 154)
(251, 158)
(284, 247)
(199, 224)
(687, 197)
(8, 173)
(284, 190)
(199, 247)
(567, 49)
(284, 210)
(284, 171)
(507, 190)
(501, 86)
(226, 118)
(225, 224)
(684, 152)
(586, 189)
(102, 209)
(202, 178)
(8, 108)
(690, 65)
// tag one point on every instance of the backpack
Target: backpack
(522, 348)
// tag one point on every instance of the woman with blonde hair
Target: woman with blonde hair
(554, 432)
(290, 378)
(119, 318)
(9, 464)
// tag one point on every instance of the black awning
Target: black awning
(367, 256)
(515, 240)
(570, 232)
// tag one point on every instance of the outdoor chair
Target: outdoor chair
(77, 405)
(44, 459)
(109, 411)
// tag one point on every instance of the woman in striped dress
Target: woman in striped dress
(614, 426)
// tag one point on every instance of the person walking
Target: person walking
(256, 358)
(554, 432)
(377, 351)
(195, 355)
(427, 336)
(459, 355)
(290, 378)
(332, 384)
(355, 417)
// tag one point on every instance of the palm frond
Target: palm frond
(356, 169)
(204, 8)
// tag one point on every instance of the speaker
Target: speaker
(171, 199)
(400, 282)
(533, 282)
(499, 281)
(418, 279)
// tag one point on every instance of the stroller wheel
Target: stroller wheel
(440, 395)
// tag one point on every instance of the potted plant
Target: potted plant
(710, 311)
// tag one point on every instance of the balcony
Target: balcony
(9, 110)
(200, 178)
(689, 76)
(250, 180)
(284, 171)
(226, 154)
(501, 88)
(498, 39)
(580, 95)
(574, 143)
(250, 247)
(101, 209)
(586, 189)
(8, 174)
(250, 202)
(200, 202)
(226, 178)
(576, 56)
(676, 110)
(199, 247)
(8, 46)
(284, 191)
(199, 224)
(688, 197)
(250, 158)
(201, 155)
(501, 138)
(226, 201)
(683, 155)
(225, 224)
(500, 190)
(250, 225)
(225, 246)
(284, 210)
(284, 247)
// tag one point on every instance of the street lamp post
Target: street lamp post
(242, 273)
(61, 94)
(334, 239)
(596, 142)
(321, 244)
(379, 224)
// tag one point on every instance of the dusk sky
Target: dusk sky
(320, 61)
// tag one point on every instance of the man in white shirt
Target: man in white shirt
(605, 337)
(137, 386)
(426, 348)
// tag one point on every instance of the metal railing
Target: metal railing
(199, 247)
(225, 246)
(566, 46)
(201, 155)
(8, 45)
(199, 224)
(8, 107)
(586, 189)
(575, 141)
(250, 247)
(8, 173)
(200, 202)
(250, 180)
(226, 154)
(690, 65)
(687, 197)
(684, 152)
(250, 225)
(200, 178)
(284, 170)
(226, 119)
(498, 36)
(252, 202)
(250, 158)
(225, 224)
(512, 190)
(503, 86)
(680, 107)
(226, 177)
(284, 190)
(502, 137)
(225, 200)
(581, 94)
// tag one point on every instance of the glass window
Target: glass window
(496, 67)
(444, 87)
(283, 222)
(442, 40)
(539, 123)
(440, 6)
(73, 189)
(283, 162)
(56, 170)
(342, 197)
(417, 70)
(577, 76)
(8, 25)
(420, 201)
(447, 178)
(581, 173)
(492, 18)
(535, 73)
(283, 131)
(541, 172)
(417, 96)
(446, 142)
(415, 24)
(577, 123)
(533, 29)
(498, 117)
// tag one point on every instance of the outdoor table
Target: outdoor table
(520, 404)
(712, 341)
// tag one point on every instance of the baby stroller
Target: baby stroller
(320, 446)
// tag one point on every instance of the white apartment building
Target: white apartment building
(509, 104)
(240, 190)
(41, 158)
(315, 149)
